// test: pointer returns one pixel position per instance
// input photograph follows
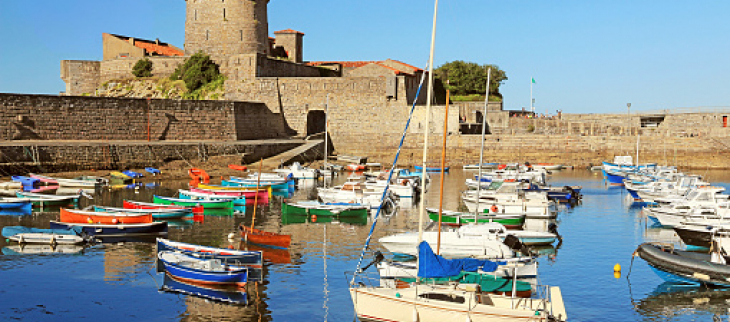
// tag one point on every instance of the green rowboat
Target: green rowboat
(314, 208)
(207, 204)
(454, 218)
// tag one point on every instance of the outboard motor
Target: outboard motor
(515, 244)
(553, 228)
(378, 257)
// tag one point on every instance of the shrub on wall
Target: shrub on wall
(197, 71)
(143, 68)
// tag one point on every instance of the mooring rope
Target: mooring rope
(387, 183)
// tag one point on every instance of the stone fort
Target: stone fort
(272, 92)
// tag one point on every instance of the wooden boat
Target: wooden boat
(237, 167)
(252, 184)
(118, 230)
(289, 219)
(109, 218)
(202, 271)
(156, 213)
(66, 182)
(30, 235)
(100, 181)
(315, 208)
(11, 185)
(267, 239)
(199, 175)
(431, 169)
(232, 256)
(548, 166)
(224, 294)
(190, 195)
(129, 204)
(48, 200)
(454, 218)
(250, 194)
(228, 204)
(19, 204)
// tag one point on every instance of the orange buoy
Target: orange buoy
(494, 208)
(314, 218)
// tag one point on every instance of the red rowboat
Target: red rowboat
(238, 167)
(199, 175)
(259, 237)
(107, 218)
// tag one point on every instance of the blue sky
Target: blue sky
(586, 56)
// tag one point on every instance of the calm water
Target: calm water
(118, 282)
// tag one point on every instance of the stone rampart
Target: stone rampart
(122, 68)
(80, 76)
(43, 117)
(29, 156)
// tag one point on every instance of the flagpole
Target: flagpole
(532, 107)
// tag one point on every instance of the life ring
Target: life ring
(494, 209)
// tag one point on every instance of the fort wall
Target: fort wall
(42, 117)
(122, 68)
(80, 76)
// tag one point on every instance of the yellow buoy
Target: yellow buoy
(617, 268)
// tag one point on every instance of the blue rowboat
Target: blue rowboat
(156, 213)
(227, 295)
(230, 256)
(431, 169)
(20, 205)
(196, 270)
(154, 228)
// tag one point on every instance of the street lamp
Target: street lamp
(628, 107)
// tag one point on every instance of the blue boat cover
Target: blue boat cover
(152, 170)
(14, 230)
(132, 174)
(431, 265)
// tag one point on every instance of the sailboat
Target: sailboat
(453, 302)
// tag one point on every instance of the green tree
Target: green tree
(143, 68)
(197, 71)
(467, 78)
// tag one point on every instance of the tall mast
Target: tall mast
(481, 152)
(429, 96)
(326, 129)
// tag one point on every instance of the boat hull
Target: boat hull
(684, 267)
(207, 204)
(237, 278)
(108, 218)
(509, 221)
(266, 239)
(236, 257)
(154, 228)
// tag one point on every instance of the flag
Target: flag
(533, 80)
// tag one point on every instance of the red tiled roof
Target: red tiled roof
(345, 64)
(288, 31)
(407, 65)
(396, 71)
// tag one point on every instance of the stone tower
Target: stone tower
(226, 27)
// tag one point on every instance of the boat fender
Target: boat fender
(88, 219)
(314, 218)
(494, 208)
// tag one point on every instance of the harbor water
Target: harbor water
(118, 280)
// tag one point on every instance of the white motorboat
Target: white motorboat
(355, 193)
(297, 171)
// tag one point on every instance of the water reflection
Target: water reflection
(670, 301)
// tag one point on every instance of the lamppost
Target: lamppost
(628, 107)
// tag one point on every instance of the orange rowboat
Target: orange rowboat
(266, 239)
(107, 218)
(237, 167)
